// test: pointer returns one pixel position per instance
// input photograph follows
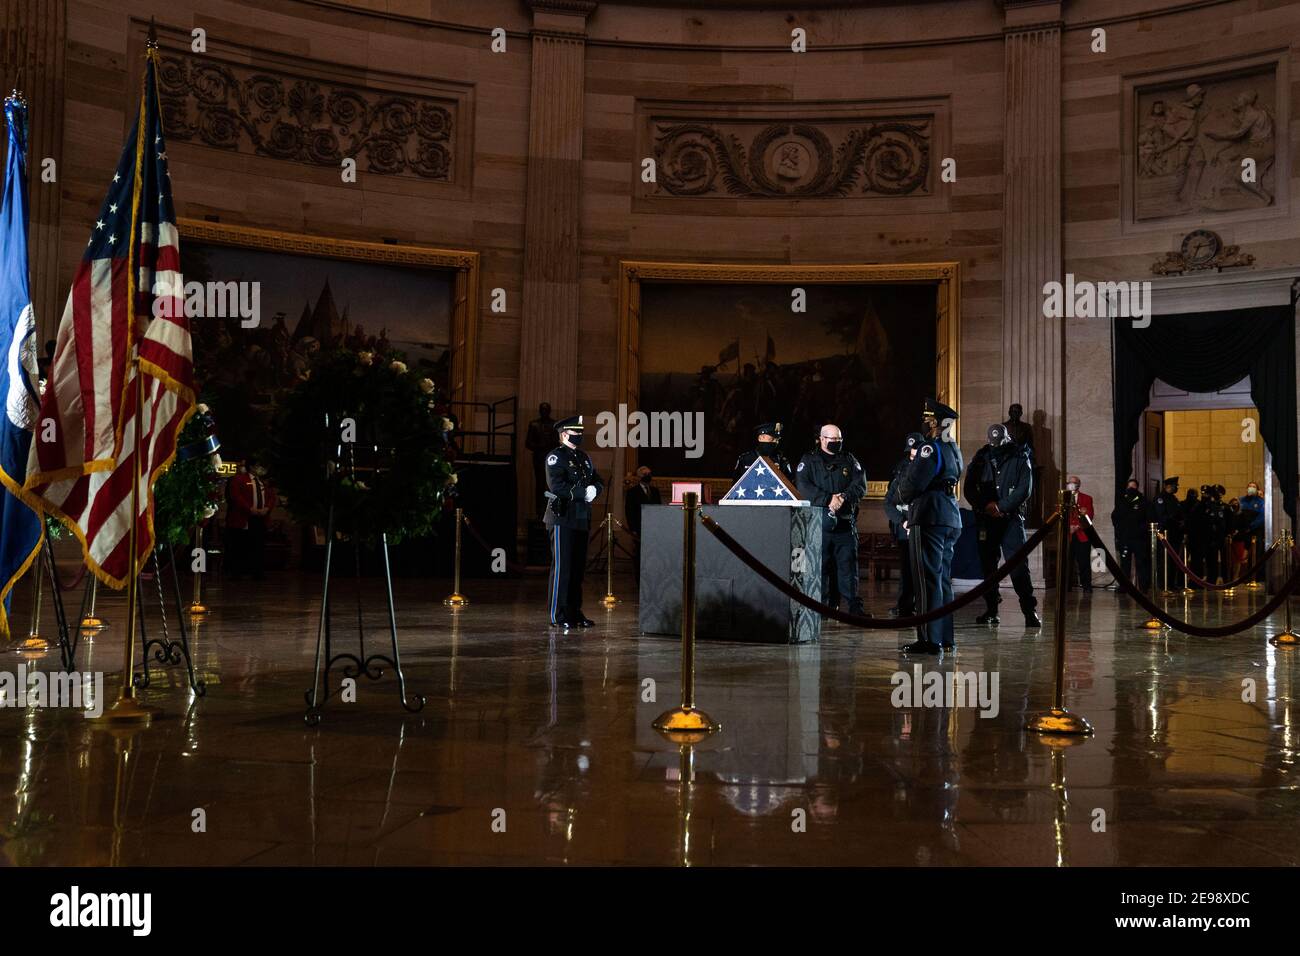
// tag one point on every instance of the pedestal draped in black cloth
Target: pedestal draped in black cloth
(1207, 352)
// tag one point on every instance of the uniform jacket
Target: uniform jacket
(895, 510)
(751, 456)
(928, 485)
(247, 497)
(1131, 518)
(820, 476)
(569, 472)
(1166, 512)
(1083, 506)
(1012, 479)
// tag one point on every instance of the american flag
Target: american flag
(127, 299)
(762, 484)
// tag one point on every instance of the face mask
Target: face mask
(997, 435)
(575, 440)
(834, 446)
(645, 479)
(1251, 491)
(1072, 486)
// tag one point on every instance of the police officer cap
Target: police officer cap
(571, 424)
(768, 428)
(913, 440)
(1172, 480)
(938, 409)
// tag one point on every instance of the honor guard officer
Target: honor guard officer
(998, 484)
(1167, 514)
(896, 515)
(573, 485)
(767, 444)
(1131, 521)
(928, 486)
(833, 480)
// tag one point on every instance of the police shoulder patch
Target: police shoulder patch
(552, 460)
(801, 464)
(857, 464)
(926, 451)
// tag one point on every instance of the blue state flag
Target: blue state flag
(21, 528)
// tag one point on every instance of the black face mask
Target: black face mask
(833, 447)
(645, 479)
(575, 441)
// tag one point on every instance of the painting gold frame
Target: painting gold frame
(944, 275)
(463, 333)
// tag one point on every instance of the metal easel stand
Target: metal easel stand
(354, 665)
(67, 642)
(165, 650)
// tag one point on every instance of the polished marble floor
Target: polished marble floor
(537, 747)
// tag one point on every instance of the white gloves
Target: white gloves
(591, 493)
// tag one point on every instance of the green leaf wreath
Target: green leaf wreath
(186, 493)
(392, 478)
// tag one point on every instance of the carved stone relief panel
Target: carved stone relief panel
(311, 118)
(1206, 143)
(791, 151)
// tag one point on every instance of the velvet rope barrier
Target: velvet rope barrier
(891, 624)
(1159, 613)
(1201, 582)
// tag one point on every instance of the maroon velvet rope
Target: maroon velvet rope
(1159, 613)
(894, 623)
(1178, 563)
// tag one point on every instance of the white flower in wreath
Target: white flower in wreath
(452, 478)
(209, 511)
(448, 425)
(398, 367)
(426, 385)
(366, 358)
(201, 408)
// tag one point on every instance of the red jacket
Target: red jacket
(248, 496)
(1084, 506)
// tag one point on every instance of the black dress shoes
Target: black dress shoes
(921, 647)
(586, 622)
(988, 617)
(1032, 619)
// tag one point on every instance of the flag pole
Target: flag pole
(127, 708)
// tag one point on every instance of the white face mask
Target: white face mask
(1072, 486)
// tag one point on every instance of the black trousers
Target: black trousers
(840, 558)
(246, 550)
(932, 566)
(1000, 538)
(1132, 553)
(906, 588)
(1176, 578)
(1080, 564)
(568, 564)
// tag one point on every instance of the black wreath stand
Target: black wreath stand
(165, 650)
(359, 663)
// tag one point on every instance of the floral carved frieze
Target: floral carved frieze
(798, 159)
(307, 120)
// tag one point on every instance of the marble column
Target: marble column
(1031, 249)
(548, 346)
(35, 32)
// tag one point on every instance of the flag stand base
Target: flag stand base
(166, 650)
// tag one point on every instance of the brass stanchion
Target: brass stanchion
(1060, 721)
(92, 621)
(127, 709)
(1154, 623)
(197, 607)
(1187, 582)
(685, 724)
(1164, 554)
(1287, 637)
(456, 600)
(609, 600)
(1254, 547)
(35, 644)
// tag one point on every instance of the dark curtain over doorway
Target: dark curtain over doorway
(1207, 352)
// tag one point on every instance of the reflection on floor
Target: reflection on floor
(548, 737)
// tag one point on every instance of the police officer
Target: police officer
(928, 486)
(767, 443)
(998, 484)
(833, 480)
(1131, 519)
(1215, 519)
(573, 485)
(1166, 513)
(896, 515)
